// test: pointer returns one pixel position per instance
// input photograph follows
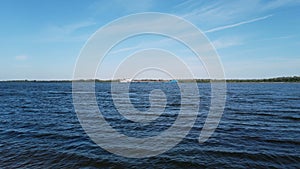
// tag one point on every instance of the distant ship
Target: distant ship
(125, 80)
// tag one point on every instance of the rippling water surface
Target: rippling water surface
(260, 127)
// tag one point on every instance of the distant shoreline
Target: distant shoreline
(268, 80)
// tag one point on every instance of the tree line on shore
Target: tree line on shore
(277, 79)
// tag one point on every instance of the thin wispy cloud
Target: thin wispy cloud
(227, 42)
(124, 49)
(237, 24)
(280, 3)
(278, 38)
(70, 28)
(72, 32)
(185, 4)
(21, 57)
(125, 7)
(209, 14)
(76, 26)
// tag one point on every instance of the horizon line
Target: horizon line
(149, 79)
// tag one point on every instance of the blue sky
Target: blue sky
(254, 38)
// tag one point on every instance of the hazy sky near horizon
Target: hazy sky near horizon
(254, 38)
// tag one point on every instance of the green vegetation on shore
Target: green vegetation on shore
(277, 79)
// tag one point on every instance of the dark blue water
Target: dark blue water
(260, 128)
